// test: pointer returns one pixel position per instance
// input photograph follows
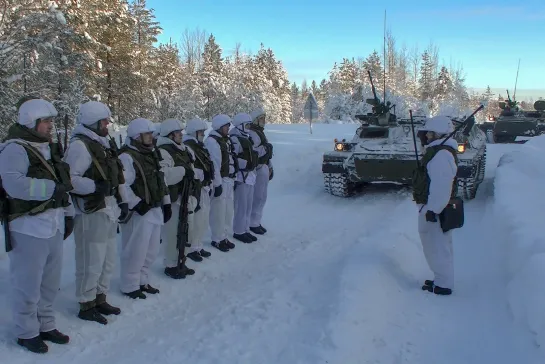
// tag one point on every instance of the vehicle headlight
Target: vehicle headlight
(342, 146)
(461, 148)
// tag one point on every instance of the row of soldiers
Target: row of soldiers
(166, 189)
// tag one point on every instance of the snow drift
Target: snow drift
(519, 204)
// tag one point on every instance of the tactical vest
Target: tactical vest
(105, 166)
(202, 160)
(421, 179)
(264, 159)
(248, 153)
(225, 151)
(53, 169)
(181, 158)
(149, 184)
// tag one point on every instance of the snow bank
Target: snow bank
(519, 204)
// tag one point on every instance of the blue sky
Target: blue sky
(486, 37)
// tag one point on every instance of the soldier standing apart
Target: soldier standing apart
(177, 165)
(149, 203)
(246, 161)
(204, 171)
(264, 170)
(440, 165)
(221, 204)
(96, 174)
(40, 215)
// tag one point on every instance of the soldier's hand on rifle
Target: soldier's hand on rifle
(218, 190)
(189, 173)
(167, 212)
(68, 226)
(103, 188)
(124, 210)
(59, 192)
(141, 208)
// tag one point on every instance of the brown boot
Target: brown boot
(104, 307)
(88, 312)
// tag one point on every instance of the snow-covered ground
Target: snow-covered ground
(520, 203)
(334, 281)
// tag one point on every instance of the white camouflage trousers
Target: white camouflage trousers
(95, 236)
(139, 248)
(438, 251)
(221, 211)
(260, 195)
(35, 270)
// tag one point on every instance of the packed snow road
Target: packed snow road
(334, 281)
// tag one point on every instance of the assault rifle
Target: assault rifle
(4, 217)
(182, 234)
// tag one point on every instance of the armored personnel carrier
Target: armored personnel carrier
(383, 150)
(513, 122)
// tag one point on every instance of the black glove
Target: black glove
(124, 210)
(270, 147)
(218, 190)
(68, 226)
(197, 208)
(167, 212)
(210, 192)
(271, 174)
(103, 188)
(141, 208)
(59, 192)
(189, 173)
(430, 216)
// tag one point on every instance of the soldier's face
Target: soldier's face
(261, 120)
(44, 127)
(176, 136)
(147, 138)
(103, 127)
(200, 135)
(224, 130)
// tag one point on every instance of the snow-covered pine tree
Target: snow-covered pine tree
(213, 80)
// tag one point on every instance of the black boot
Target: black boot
(243, 237)
(250, 236)
(221, 246)
(36, 345)
(136, 294)
(88, 312)
(194, 256)
(187, 271)
(428, 282)
(228, 244)
(149, 289)
(204, 253)
(172, 272)
(442, 291)
(55, 336)
(257, 230)
(104, 307)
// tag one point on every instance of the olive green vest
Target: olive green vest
(264, 159)
(149, 184)
(224, 148)
(421, 179)
(54, 170)
(105, 166)
(202, 160)
(248, 153)
(181, 158)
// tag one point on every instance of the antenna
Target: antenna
(384, 51)
(516, 80)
